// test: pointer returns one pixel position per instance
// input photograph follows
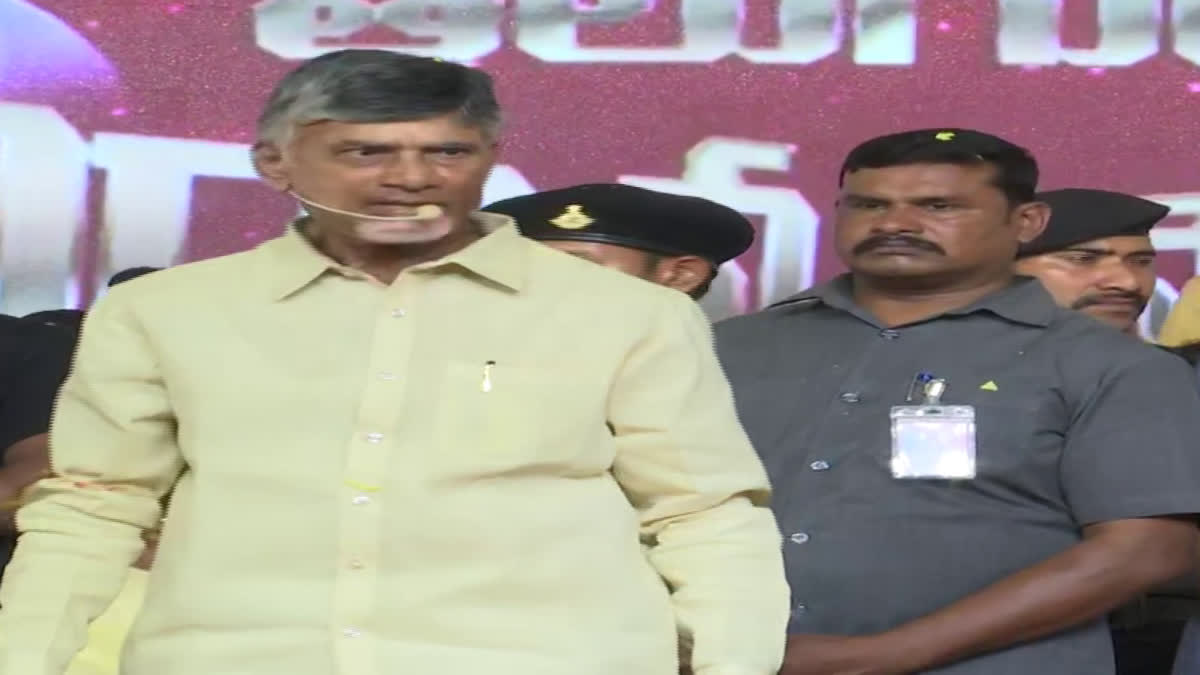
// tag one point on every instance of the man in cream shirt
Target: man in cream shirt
(400, 437)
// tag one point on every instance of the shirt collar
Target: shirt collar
(499, 256)
(1025, 301)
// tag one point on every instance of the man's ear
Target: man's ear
(1031, 220)
(683, 273)
(270, 164)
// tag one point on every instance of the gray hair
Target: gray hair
(375, 85)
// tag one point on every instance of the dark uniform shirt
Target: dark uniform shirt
(1187, 660)
(1075, 424)
(10, 358)
(45, 343)
(35, 356)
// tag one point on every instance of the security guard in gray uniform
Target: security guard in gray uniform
(968, 476)
(668, 239)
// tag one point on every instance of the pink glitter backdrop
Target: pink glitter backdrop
(196, 70)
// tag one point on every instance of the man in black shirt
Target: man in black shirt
(19, 465)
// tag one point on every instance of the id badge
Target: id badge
(933, 441)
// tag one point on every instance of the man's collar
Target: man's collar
(1025, 301)
(499, 256)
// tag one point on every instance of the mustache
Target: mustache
(882, 240)
(1107, 298)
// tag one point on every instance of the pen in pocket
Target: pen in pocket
(917, 386)
(485, 385)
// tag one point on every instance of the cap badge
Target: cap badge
(572, 219)
(944, 135)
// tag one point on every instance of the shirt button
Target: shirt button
(799, 608)
(850, 397)
(799, 538)
(889, 334)
(360, 500)
(356, 564)
(819, 465)
(398, 313)
(374, 437)
(388, 376)
(351, 632)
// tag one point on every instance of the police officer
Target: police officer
(968, 477)
(668, 239)
(1095, 254)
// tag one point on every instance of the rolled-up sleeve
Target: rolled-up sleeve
(701, 492)
(113, 455)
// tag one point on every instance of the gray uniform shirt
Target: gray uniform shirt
(1187, 659)
(1075, 424)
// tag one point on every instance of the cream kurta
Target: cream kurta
(107, 634)
(1182, 324)
(414, 478)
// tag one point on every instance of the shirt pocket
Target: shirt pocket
(496, 418)
(1017, 434)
